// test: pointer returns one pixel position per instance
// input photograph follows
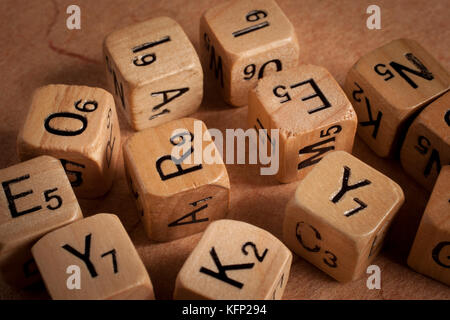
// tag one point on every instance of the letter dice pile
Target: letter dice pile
(396, 98)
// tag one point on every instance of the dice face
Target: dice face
(430, 253)
(92, 259)
(427, 145)
(176, 199)
(312, 113)
(79, 126)
(154, 71)
(339, 215)
(235, 261)
(243, 41)
(36, 198)
(388, 86)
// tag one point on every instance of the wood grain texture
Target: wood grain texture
(388, 86)
(430, 253)
(244, 40)
(111, 267)
(176, 200)
(426, 148)
(78, 125)
(261, 265)
(37, 49)
(312, 113)
(154, 72)
(339, 215)
(36, 198)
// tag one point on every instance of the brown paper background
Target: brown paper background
(37, 49)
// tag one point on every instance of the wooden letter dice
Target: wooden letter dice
(390, 85)
(92, 259)
(339, 215)
(36, 198)
(310, 110)
(427, 145)
(176, 199)
(79, 126)
(235, 261)
(243, 41)
(154, 71)
(430, 253)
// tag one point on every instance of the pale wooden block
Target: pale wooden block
(426, 148)
(110, 267)
(154, 71)
(79, 126)
(339, 215)
(312, 113)
(243, 41)
(176, 200)
(36, 198)
(235, 261)
(390, 85)
(430, 252)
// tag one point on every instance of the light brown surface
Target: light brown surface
(43, 201)
(307, 131)
(390, 93)
(37, 49)
(431, 249)
(90, 149)
(261, 265)
(427, 144)
(225, 37)
(339, 215)
(177, 199)
(159, 83)
(116, 270)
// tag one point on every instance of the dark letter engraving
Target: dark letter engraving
(255, 250)
(346, 187)
(437, 250)
(192, 214)
(318, 93)
(10, 197)
(222, 270)
(114, 260)
(84, 257)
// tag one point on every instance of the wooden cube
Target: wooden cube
(36, 198)
(430, 253)
(310, 110)
(92, 259)
(176, 198)
(427, 145)
(154, 71)
(79, 126)
(390, 85)
(339, 215)
(243, 41)
(235, 261)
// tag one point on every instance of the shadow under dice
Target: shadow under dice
(154, 71)
(237, 261)
(79, 126)
(310, 110)
(177, 193)
(388, 87)
(430, 252)
(339, 215)
(36, 198)
(426, 148)
(243, 41)
(92, 259)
